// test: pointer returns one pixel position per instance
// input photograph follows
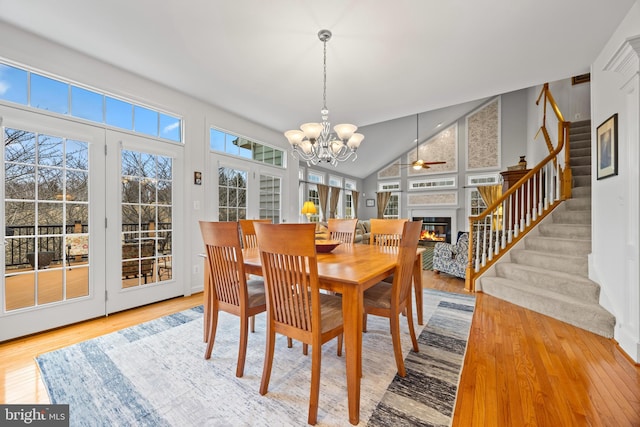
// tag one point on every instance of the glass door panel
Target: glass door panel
(54, 176)
(148, 174)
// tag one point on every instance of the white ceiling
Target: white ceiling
(387, 59)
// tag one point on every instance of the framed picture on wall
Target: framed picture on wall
(607, 147)
(371, 203)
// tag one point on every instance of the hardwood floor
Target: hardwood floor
(521, 368)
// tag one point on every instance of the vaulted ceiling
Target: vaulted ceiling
(387, 59)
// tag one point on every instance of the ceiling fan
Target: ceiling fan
(419, 163)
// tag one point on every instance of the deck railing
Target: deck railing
(20, 240)
(493, 232)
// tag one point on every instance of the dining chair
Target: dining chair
(249, 239)
(343, 230)
(386, 232)
(228, 288)
(391, 299)
(295, 306)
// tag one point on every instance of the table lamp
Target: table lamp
(308, 208)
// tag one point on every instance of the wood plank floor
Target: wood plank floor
(521, 368)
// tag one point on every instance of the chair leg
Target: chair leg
(412, 330)
(397, 347)
(242, 350)
(340, 345)
(316, 360)
(253, 323)
(289, 342)
(305, 349)
(364, 322)
(211, 332)
(268, 361)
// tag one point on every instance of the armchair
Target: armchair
(452, 259)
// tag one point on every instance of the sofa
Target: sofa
(452, 258)
(363, 231)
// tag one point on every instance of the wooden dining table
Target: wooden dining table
(350, 269)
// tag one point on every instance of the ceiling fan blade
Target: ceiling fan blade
(434, 163)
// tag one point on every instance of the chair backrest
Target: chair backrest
(249, 233)
(386, 232)
(343, 230)
(290, 272)
(408, 245)
(226, 264)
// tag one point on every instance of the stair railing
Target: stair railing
(493, 232)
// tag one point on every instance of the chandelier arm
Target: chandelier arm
(317, 142)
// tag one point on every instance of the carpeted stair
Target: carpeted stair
(548, 274)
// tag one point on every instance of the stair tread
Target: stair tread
(558, 274)
(560, 239)
(568, 258)
(545, 293)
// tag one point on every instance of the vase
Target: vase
(523, 162)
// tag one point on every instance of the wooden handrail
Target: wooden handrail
(494, 231)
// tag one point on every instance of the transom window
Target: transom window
(241, 147)
(24, 87)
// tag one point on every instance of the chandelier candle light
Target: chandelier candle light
(315, 142)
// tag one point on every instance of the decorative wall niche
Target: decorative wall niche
(442, 147)
(483, 137)
(433, 199)
(391, 171)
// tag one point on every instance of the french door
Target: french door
(53, 212)
(142, 213)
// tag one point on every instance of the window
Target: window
(312, 195)
(49, 94)
(147, 224)
(348, 204)
(46, 203)
(86, 104)
(241, 147)
(27, 88)
(13, 84)
(270, 198)
(393, 207)
(232, 194)
(432, 183)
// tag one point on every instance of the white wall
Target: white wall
(616, 213)
(31, 51)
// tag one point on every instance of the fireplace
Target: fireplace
(435, 229)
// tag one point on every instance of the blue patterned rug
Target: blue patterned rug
(154, 374)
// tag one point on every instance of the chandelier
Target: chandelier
(315, 142)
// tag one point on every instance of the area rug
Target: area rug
(154, 374)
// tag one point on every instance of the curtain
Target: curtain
(491, 193)
(333, 201)
(323, 194)
(354, 198)
(383, 198)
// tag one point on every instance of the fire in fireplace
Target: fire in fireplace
(435, 229)
(431, 235)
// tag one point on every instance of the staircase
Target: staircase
(547, 272)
